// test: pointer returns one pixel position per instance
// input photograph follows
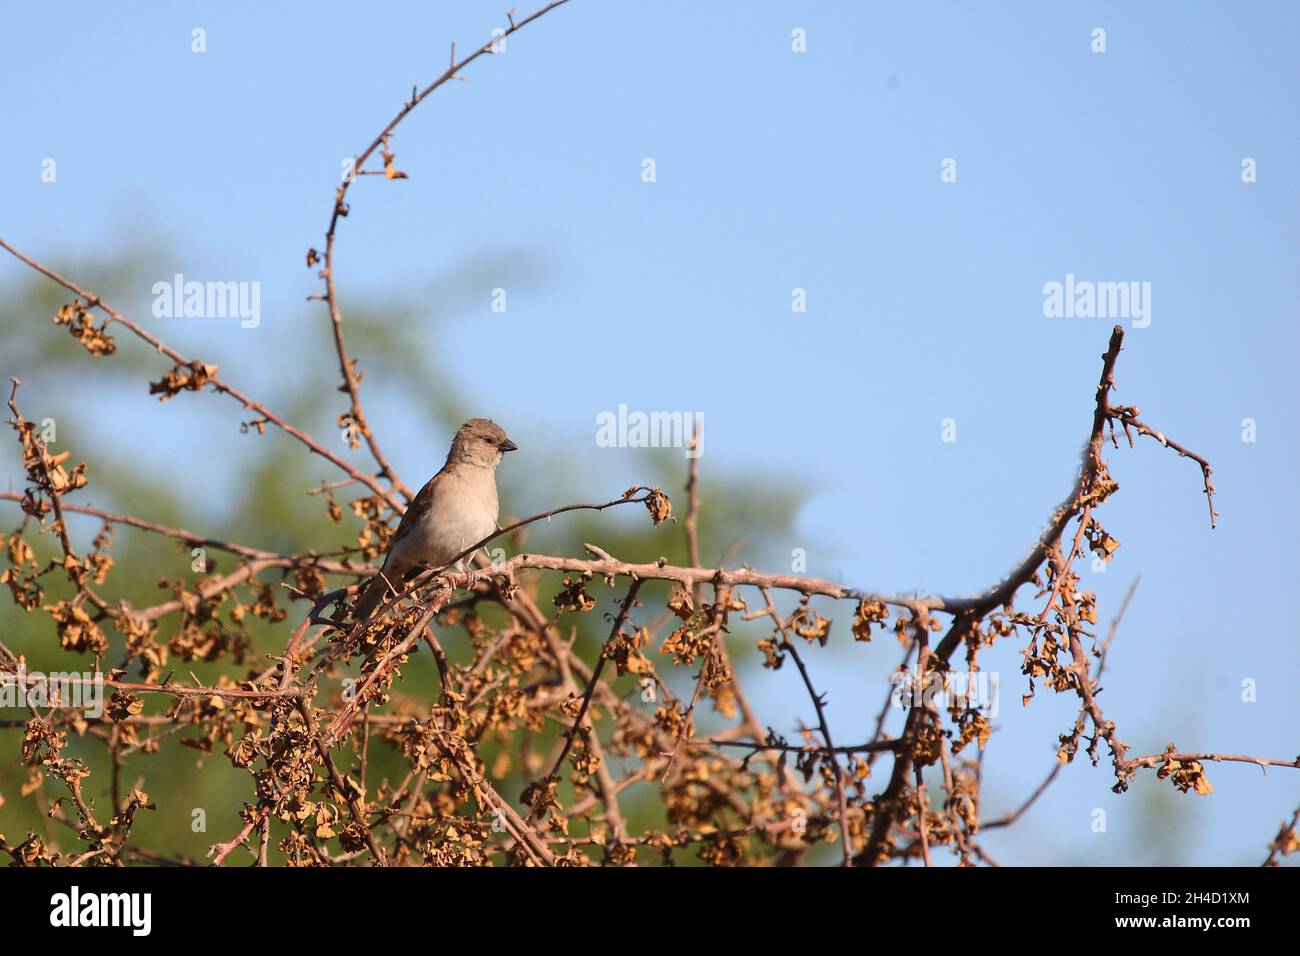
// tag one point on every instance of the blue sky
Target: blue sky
(774, 171)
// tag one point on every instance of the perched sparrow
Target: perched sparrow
(455, 510)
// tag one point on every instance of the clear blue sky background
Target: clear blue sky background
(777, 170)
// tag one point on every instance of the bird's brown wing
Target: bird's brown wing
(419, 507)
(415, 512)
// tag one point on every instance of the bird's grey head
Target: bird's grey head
(480, 441)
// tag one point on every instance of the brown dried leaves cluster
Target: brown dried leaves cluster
(523, 711)
(95, 339)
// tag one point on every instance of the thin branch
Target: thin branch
(218, 384)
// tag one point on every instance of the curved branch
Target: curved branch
(351, 382)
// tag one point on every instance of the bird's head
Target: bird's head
(480, 441)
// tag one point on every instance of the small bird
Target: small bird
(456, 509)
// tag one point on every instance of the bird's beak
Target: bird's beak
(508, 445)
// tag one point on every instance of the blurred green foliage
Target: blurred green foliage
(262, 501)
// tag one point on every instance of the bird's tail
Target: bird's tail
(374, 593)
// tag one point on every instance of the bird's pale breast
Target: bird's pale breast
(463, 512)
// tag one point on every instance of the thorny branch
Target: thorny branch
(355, 417)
